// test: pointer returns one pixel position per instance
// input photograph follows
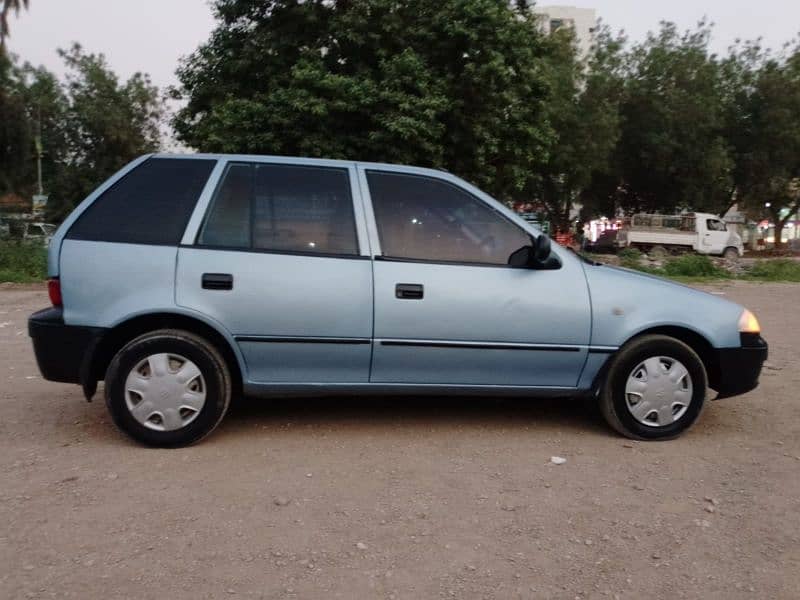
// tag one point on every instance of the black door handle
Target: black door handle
(408, 291)
(217, 281)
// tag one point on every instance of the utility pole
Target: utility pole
(39, 200)
(38, 143)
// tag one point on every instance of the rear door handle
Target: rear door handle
(408, 291)
(217, 281)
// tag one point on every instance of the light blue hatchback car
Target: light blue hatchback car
(184, 280)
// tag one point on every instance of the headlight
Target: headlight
(748, 323)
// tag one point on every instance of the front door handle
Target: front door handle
(217, 281)
(408, 291)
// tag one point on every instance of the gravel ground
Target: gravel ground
(402, 498)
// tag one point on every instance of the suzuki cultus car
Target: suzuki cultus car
(184, 280)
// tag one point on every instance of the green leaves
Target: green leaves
(767, 141)
(90, 126)
(453, 84)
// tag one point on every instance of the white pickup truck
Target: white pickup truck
(702, 232)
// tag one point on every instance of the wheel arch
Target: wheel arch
(123, 332)
(696, 341)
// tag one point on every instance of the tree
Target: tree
(107, 124)
(454, 84)
(673, 151)
(582, 108)
(90, 126)
(5, 11)
(768, 134)
(14, 131)
(45, 106)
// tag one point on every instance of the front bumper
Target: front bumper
(63, 352)
(739, 368)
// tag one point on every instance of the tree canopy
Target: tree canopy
(470, 86)
(454, 84)
(90, 125)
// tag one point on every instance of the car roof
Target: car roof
(322, 162)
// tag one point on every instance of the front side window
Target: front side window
(282, 208)
(715, 225)
(424, 218)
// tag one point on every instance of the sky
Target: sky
(152, 35)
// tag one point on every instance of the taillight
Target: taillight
(54, 291)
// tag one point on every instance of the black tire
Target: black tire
(212, 366)
(612, 399)
(730, 253)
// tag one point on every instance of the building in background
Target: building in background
(583, 21)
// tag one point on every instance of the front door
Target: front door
(277, 262)
(716, 237)
(448, 308)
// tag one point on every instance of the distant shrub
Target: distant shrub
(693, 265)
(630, 258)
(779, 269)
(22, 262)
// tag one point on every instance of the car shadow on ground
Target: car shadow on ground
(452, 411)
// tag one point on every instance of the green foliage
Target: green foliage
(581, 110)
(5, 11)
(454, 84)
(766, 100)
(693, 265)
(15, 135)
(22, 262)
(91, 126)
(673, 151)
(630, 258)
(780, 269)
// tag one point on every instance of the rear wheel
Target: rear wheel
(168, 388)
(655, 388)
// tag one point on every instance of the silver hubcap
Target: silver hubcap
(165, 392)
(658, 391)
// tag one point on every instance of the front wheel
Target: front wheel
(730, 254)
(655, 388)
(168, 388)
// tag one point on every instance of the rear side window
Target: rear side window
(149, 205)
(282, 208)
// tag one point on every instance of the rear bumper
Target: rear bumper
(62, 351)
(740, 368)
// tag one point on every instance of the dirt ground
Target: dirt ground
(402, 498)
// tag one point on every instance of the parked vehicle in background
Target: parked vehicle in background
(184, 280)
(605, 243)
(702, 232)
(38, 232)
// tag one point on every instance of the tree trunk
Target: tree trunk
(781, 223)
(778, 233)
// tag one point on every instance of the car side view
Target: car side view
(184, 280)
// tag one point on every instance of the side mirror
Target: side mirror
(542, 248)
(521, 258)
(535, 255)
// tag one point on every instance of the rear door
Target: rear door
(448, 308)
(281, 261)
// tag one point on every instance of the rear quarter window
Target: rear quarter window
(150, 205)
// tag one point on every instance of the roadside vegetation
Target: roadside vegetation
(698, 267)
(22, 262)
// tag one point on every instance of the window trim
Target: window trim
(194, 242)
(389, 258)
(429, 261)
(283, 252)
